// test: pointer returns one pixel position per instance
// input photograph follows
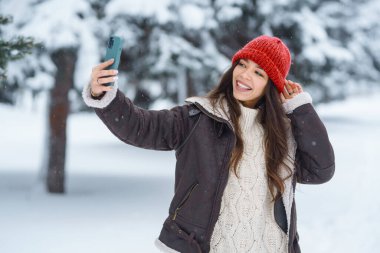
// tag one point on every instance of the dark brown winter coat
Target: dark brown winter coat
(203, 144)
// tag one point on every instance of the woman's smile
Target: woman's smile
(242, 87)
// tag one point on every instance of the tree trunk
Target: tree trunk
(190, 84)
(64, 60)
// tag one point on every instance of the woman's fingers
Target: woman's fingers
(98, 89)
(101, 76)
(291, 89)
(104, 80)
(104, 73)
(97, 86)
(103, 65)
(98, 70)
(299, 87)
(98, 80)
(289, 86)
(287, 90)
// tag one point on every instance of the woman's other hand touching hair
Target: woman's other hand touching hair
(291, 90)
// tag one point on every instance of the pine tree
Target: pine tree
(13, 49)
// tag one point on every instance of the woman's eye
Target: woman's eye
(241, 64)
(257, 72)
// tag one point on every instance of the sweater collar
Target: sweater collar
(247, 118)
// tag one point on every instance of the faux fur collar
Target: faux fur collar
(220, 110)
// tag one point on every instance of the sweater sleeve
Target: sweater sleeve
(315, 160)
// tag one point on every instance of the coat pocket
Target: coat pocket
(183, 201)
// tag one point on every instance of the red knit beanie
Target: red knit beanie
(271, 54)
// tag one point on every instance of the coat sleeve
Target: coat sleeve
(149, 129)
(315, 161)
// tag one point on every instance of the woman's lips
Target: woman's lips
(242, 87)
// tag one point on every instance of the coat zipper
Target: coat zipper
(184, 200)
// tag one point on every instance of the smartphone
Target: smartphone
(114, 48)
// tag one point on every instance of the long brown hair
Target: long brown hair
(273, 119)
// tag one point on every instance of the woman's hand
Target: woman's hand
(291, 90)
(100, 76)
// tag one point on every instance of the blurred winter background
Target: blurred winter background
(68, 185)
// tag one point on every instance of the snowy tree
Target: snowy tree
(332, 53)
(69, 51)
(179, 48)
(10, 50)
(168, 52)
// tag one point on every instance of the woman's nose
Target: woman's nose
(245, 74)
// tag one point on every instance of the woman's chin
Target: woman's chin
(242, 97)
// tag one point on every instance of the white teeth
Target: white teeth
(243, 86)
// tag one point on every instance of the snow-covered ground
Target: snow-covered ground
(117, 195)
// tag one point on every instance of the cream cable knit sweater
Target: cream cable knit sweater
(246, 221)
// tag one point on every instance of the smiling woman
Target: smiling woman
(240, 151)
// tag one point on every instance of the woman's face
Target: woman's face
(249, 82)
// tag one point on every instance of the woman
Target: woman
(240, 152)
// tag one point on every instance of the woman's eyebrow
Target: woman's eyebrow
(257, 66)
(254, 64)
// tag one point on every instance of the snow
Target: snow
(192, 16)
(318, 46)
(342, 214)
(228, 13)
(154, 87)
(156, 8)
(118, 195)
(161, 104)
(334, 41)
(56, 33)
(57, 25)
(111, 190)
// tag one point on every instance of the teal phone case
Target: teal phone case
(114, 48)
